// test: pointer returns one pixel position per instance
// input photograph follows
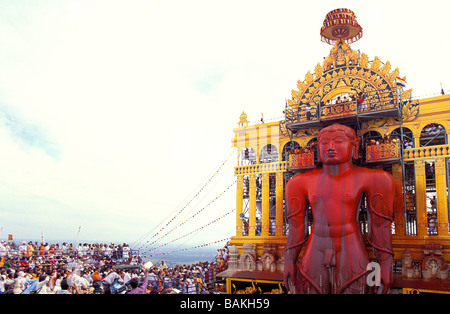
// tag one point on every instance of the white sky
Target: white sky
(113, 113)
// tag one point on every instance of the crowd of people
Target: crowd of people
(433, 129)
(100, 269)
(359, 98)
(387, 139)
(33, 249)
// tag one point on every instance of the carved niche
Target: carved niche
(433, 265)
(268, 260)
(247, 260)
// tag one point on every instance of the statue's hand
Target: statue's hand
(386, 276)
(290, 276)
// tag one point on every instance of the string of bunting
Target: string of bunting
(446, 92)
(189, 218)
(190, 201)
(189, 233)
(190, 248)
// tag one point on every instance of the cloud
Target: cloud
(27, 134)
(208, 80)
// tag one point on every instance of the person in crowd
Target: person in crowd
(134, 283)
(308, 111)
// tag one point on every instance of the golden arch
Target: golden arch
(338, 91)
(370, 77)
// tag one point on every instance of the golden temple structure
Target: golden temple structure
(407, 137)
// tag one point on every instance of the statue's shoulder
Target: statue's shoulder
(379, 175)
(304, 177)
(370, 170)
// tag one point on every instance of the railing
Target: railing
(338, 110)
(427, 152)
(260, 168)
(301, 161)
(382, 152)
(372, 104)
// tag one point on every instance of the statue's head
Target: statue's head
(337, 144)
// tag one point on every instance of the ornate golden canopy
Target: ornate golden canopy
(344, 70)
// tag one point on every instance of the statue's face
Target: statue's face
(335, 147)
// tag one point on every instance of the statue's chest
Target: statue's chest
(334, 191)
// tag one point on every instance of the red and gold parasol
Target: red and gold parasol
(340, 25)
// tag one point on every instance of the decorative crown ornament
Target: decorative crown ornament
(340, 25)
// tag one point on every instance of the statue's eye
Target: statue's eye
(339, 140)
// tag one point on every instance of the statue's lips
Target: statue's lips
(331, 154)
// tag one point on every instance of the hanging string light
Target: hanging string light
(188, 249)
(193, 231)
(191, 217)
(188, 203)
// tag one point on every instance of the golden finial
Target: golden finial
(243, 119)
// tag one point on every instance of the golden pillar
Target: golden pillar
(441, 196)
(416, 137)
(239, 203)
(252, 204)
(399, 211)
(421, 198)
(279, 204)
(265, 204)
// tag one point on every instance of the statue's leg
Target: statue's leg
(351, 274)
(314, 275)
(355, 285)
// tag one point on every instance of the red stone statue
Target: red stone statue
(335, 258)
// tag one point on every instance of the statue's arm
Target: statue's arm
(381, 203)
(296, 216)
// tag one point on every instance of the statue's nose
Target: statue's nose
(330, 145)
